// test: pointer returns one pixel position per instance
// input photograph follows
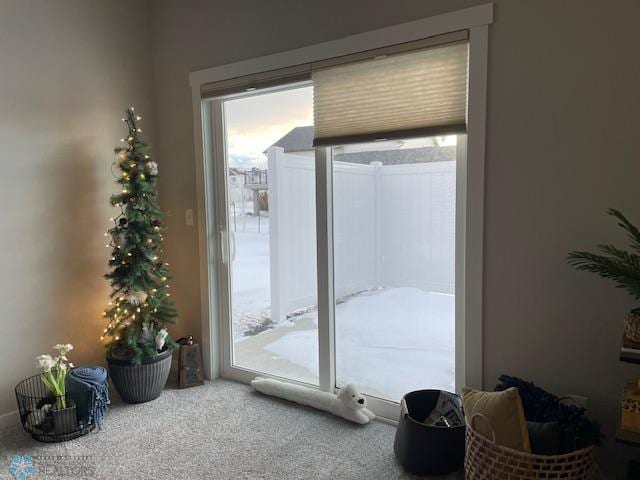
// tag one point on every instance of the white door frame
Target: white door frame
(469, 193)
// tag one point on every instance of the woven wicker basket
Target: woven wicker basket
(632, 327)
(486, 460)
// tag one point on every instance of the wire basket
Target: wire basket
(46, 417)
(486, 460)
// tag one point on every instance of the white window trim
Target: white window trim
(470, 181)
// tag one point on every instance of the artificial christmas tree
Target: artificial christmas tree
(138, 346)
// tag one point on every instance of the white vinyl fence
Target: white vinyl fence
(394, 226)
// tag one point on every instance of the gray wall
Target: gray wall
(562, 123)
(68, 69)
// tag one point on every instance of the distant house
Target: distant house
(256, 178)
(237, 193)
(236, 177)
(248, 184)
(299, 141)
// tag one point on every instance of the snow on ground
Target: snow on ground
(250, 274)
(388, 342)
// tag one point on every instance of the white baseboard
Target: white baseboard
(10, 419)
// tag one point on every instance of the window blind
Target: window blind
(421, 92)
(256, 81)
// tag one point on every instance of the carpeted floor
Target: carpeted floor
(222, 430)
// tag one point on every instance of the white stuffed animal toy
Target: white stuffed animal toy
(161, 338)
(348, 403)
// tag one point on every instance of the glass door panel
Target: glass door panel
(270, 185)
(394, 264)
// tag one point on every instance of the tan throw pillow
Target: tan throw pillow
(505, 414)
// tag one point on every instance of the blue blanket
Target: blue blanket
(87, 386)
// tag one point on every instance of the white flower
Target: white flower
(45, 362)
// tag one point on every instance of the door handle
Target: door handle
(224, 250)
(232, 248)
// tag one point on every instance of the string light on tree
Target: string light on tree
(139, 307)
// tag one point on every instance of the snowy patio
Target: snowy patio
(388, 341)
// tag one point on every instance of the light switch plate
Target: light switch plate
(188, 216)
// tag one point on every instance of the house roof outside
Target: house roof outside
(300, 139)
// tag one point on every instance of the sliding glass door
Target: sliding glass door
(336, 263)
(388, 322)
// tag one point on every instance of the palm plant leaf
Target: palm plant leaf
(627, 258)
(626, 275)
(619, 265)
(632, 231)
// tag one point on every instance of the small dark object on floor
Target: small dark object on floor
(576, 429)
(190, 365)
(424, 448)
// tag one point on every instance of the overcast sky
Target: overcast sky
(255, 123)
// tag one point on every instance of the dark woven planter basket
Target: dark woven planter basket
(140, 383)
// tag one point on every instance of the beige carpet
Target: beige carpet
(222, 430)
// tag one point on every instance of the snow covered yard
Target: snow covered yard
(250, 275)
(388, 341)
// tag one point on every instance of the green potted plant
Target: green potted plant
(138, 345)
(54, 375)
(621, 266)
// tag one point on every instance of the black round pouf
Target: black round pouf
(424, 449)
